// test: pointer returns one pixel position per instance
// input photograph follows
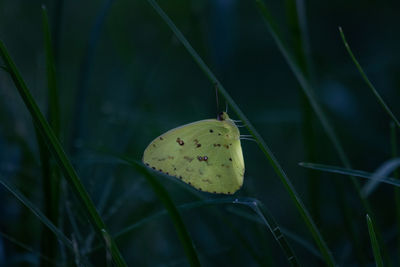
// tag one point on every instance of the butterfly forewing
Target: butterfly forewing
(205, 154)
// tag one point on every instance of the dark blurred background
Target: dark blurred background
(123, 79)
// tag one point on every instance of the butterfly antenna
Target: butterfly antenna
(216, 96)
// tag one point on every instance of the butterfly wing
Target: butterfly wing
(206, 154)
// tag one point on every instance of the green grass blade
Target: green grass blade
(58, 153)
(169, 205)
(301, 79)
(384, 170)
(393, 143)
(296, 19)
(53, 102)
(261, 211)
(355, 173)
(263, 146)
(309, 92)
(51, 177)
(49, 244)
(374, 242)
(56, 22)
(60, 236)
(85, 68)
(368, 82)
(28, 248)
(307, 89)
(255, 205)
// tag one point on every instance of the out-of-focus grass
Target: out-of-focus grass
(122, 78)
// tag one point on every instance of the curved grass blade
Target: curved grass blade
(368, 82)
(169, 205)
(261, 143)
(60, 236)
(393, 143)
(356, 173)
(384, 170)
(58, 153)
(374, 242)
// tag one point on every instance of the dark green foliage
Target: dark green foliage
(105, 78)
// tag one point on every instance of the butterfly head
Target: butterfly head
(223, 116)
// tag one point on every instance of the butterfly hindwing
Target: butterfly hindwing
(206, 154)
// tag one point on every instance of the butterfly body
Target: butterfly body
(206, 154)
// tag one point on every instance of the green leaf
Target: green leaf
(374, 242)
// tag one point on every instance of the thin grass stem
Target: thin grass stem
(368, 82)
(263, 146)
(374, 242)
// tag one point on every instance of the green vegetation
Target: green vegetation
(85, 89)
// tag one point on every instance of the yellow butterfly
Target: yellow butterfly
(205, 154)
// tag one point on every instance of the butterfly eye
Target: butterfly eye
(221, 116)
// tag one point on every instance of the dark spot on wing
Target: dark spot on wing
(205, 158)
(230, 159)
(180, 141)
(211, 131)
(198, 145)
(161, 138)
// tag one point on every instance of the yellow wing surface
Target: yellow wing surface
(206, 154)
